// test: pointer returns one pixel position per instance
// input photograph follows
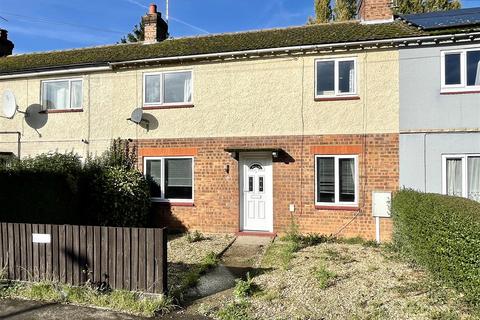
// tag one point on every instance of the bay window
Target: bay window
(170, 178)
(336, 180)
(335, 77)
(461, 176)
(61, 94)
(167, 88)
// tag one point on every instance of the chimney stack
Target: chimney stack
(156, 29)
(375, 11)
(6, 46)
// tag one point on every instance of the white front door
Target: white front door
(256, 188)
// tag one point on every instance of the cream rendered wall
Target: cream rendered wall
(260, 97)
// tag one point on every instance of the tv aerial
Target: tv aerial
(137, 117)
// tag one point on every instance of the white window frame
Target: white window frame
(336, 78)
(464, 157)
(70, 80)
(162, 88)
(463, 72)
(162, 172)
(337, 202)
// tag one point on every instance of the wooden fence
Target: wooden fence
(127, 258)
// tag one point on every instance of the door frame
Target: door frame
(246, 156)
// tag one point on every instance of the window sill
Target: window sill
(61, 110)
(168, 106)
(459, 92)
(174, 204)
(343, 208)
(338, 98)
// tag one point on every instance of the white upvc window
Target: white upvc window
(61, 94)
(335, 77)
(336, 180)
(461, 175)
(167, 88)
(171, 179)
(460, 70)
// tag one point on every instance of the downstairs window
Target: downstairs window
(461, 176)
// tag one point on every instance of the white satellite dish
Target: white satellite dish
(9, 105)
(137, 115)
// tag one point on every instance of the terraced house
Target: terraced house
(242, 132)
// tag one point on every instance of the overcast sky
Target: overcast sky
(39, 25)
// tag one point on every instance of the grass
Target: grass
(325, 277)
(280, 254)
(118, 300)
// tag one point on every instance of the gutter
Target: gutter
(55, 72)
(231, 54)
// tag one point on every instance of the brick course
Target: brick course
(216, 203)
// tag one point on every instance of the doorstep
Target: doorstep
(256, 234)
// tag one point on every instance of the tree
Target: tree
(137, 34)
(345, 10)
(421, 6)
(323, 12)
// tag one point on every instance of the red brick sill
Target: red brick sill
(459, 92)
(174, 204)
(318, 207)
(168, 106)
(61, 110)
(338, 98)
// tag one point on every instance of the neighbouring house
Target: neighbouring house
(440, 106)
(241, 131)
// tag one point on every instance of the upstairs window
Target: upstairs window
(336, 180)
(461, 70)
(61, 94)
(335, 77)
(167, 88)
(170, 178)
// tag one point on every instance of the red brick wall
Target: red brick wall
(376, 10)
(216, 203)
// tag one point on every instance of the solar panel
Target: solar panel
(444, 19)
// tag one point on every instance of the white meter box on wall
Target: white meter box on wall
(381, 204)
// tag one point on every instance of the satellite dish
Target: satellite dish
(9, 105)
(137, 115)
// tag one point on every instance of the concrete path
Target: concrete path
(32, 310)
(242, 257)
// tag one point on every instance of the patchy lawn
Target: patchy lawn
(341, 281)
(190, 255)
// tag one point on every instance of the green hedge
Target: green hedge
(58, 189)
(441, 233)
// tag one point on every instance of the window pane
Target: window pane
(325, 179)
(452, 68)
(178, 87)
(55, 95)
(454, 177)
(346, 73)
(152, 88)
(473, 68)
(178, 178)
(474, 178)
(347, 180)
(76, 94)
(325, 78)
(153, 172)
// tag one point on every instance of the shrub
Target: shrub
(441, 233)
(245, 288)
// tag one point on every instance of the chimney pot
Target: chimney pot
(152, 9)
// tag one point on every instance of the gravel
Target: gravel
(182, 255)
(365, 283)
